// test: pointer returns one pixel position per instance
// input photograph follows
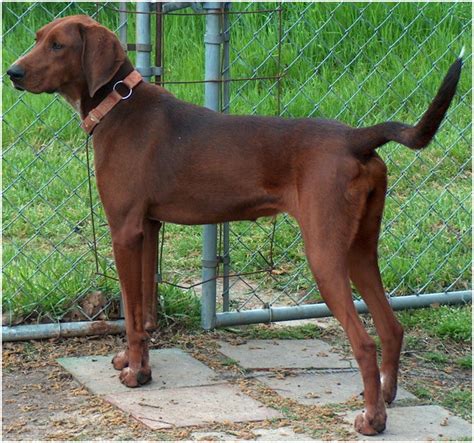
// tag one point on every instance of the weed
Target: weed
(181, 308)
(284, 333)
(421, 392)
(459, 401)
(436, 357)
(465, 362)
(230, 362)
(412, 342)
(452, 322)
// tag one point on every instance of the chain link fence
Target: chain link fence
(363, 64)
(49, 271)
(360, 63)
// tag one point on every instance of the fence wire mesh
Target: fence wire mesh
(363, 64)
(48, 266)
(360, 63)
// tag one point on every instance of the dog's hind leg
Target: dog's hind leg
(328, 226)
(365, 274)
(149, 261)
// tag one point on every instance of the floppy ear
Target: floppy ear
(102, 56)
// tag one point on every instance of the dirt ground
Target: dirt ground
(41, 401)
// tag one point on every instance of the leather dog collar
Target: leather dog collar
(97, 114)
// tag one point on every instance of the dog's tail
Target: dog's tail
(366, 140)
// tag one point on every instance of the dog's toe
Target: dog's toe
(120, 360)
(369, 427)
(144, 376)
(134, 379)
(129, 378)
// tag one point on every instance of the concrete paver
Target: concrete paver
(268, 354)
(171, 368)
(212, 436)
(191, 406)
(318, 388)
(185, 392)
(419, 423)
(278, 434)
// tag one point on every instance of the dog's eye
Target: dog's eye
(56, 46)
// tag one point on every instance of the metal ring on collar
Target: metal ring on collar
(125, 96)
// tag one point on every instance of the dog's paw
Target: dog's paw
(120, 360)
(133, 379)
(366, 426)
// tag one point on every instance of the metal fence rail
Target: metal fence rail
(360, 63)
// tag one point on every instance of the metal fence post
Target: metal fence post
(123, 22)
(159, 43)
(122, 30)
(225, 110)
(212, 41)
(143, 42)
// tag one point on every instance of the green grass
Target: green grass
(459, 401)
(230, 362)
(465, 362)
(436, 357)
(281, 333)
(425, 246)
(179, 308)
(422, 392)
(451, 322)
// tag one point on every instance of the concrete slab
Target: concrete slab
(420, 423)
(323, 388)
(172, 368)
(268, 354)
(279, 434)
(193, 406)
(212, 436)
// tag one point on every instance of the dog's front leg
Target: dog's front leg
(128, 249)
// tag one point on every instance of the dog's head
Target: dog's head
(69, 52)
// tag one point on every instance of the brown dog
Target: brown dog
(160, 159)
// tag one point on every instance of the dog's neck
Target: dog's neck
(80, 99)
(88, 103)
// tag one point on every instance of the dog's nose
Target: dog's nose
(16, 72)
